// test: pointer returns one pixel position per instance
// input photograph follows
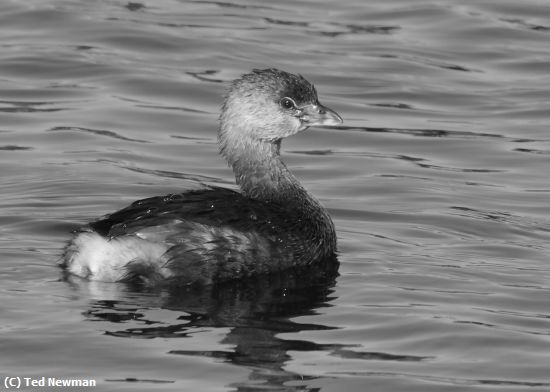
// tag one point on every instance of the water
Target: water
(437, 182)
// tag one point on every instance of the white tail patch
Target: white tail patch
(94, 257)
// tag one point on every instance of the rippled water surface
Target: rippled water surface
(438, 183)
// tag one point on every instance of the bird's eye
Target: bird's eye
(287, 103)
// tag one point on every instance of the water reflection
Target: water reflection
(255, 312)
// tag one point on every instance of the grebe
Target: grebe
(213, 235)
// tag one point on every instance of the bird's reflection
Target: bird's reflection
(255, 312)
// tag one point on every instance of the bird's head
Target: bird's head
(268, 105)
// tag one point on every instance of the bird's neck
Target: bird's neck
(260, 173)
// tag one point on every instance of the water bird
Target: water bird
(213, 235)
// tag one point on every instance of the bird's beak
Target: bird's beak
(319, 115)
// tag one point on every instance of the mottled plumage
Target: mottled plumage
(216, 234)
